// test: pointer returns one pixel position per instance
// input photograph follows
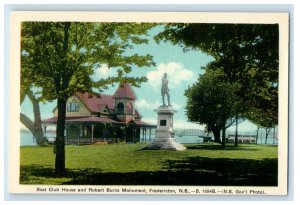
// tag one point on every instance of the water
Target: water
(188, 140)
(28, 140)
(271, 140)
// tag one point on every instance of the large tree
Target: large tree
(62, 56)
(211, 101)
(33, 125)
(247, 53)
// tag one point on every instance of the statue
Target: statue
(165, 89)
(164, 134)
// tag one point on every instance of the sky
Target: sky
(183, 69)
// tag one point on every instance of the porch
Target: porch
(91, 130)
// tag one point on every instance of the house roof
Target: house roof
(53, 120)
(94, 103)
(93, 119)
(124, 91)
(81, 119)
(142, 123)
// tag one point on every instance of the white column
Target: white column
(92, 133)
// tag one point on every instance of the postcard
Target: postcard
(158, 103)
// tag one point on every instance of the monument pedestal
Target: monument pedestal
(164, 136)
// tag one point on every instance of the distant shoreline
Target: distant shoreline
(24, 130)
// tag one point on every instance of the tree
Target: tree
(268, 130)
(35, 126)
(257, 131)
(62, 56)
(264, 120)
(210, 101)
(247, 53)
(236, 121)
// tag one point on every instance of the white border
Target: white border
(204, 17)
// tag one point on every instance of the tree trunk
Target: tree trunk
(36, 126)
(223, 136)
(257, 134)
(61, 84)
(267, 134)
(36, 131)
(236, 132)
(217, 136)
(274, 135)
(60, 138)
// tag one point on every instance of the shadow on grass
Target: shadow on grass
(190, 171)
(219, 147)
(42, 171)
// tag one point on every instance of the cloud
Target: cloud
(176, 74)
(152, 121)
(143, 104)
(176, 106)
(103, 71)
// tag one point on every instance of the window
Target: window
(120, 108)
(130, 109)
(73, 107)
(163, 122)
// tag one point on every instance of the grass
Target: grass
(127, 164)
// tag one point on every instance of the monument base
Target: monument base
(164, 136)
(164, 141)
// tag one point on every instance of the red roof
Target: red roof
(81, 119)
(54, 119)
(141, 123)
(93, 119)
(124, 91)
(94, 103)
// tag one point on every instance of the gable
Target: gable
(94, 103)
(71, 112)
(104, 109)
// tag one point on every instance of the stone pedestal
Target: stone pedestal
(164, 136)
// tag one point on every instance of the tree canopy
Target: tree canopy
(247, 53)
(211, 101)
(64, 55)
(60, 58)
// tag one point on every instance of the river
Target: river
(26, 138)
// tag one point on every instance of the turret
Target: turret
(124, 99)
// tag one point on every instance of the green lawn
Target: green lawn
(127, 164)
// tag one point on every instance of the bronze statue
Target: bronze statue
(165, 89)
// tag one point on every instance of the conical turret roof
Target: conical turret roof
(124, 91)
